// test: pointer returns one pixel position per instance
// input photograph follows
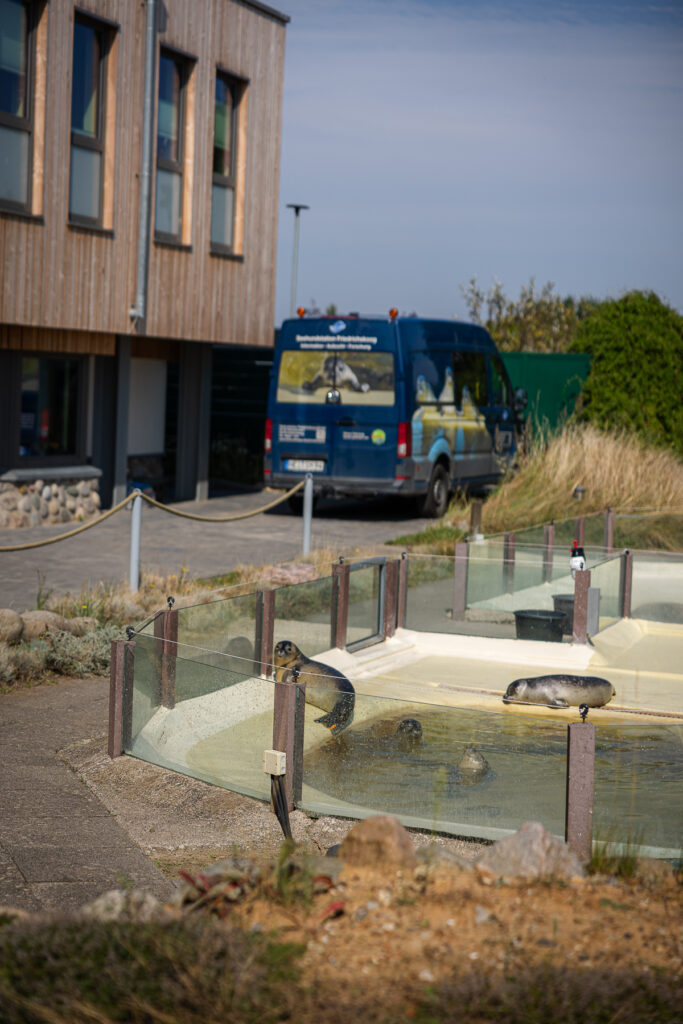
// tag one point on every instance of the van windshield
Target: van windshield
(336, 377)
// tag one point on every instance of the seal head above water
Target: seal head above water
(560, 691)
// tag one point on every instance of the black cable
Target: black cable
(277, 792)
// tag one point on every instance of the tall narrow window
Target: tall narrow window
(170, 140)
(224, 162)
(87, 121)
(15, 103)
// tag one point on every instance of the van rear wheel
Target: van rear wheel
(435, 501)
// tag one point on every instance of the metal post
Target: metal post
(139, 311)
(548, 550)
(578, 829)
(135, 524)
(297, 207)
(120, 693)
(509, 545)
(582, 582)
(289, 704)
(308, 513)
(460, 568)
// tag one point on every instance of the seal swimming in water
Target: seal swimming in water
(326, 687)
(409, 734)
(561, 691)
(472, 763)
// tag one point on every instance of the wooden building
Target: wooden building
(139, 165)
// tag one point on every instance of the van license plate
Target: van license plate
(305, 465)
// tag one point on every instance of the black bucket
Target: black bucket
(565, 603)
(539, 624)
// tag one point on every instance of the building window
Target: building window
(49, 406)
(16, 102)
(228, 92)
(91, 43)
(168, 217)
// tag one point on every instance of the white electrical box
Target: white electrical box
(274, 762)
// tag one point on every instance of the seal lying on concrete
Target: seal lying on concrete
(560, 691)
(326, 687)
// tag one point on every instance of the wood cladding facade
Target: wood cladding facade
(73, 281)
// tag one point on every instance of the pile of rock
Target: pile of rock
(41, 504)
(30, 625)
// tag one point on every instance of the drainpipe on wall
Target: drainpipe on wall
(139, 311)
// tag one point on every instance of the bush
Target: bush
(56, 654)
(636, 375)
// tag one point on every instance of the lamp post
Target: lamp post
(297, 207)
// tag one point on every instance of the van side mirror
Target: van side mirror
(520, 400)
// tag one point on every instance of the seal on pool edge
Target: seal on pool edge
(326, 687)
(561, 691)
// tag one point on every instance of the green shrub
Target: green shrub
(636, 376)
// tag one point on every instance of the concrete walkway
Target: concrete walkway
(205, 549)
(59, 846)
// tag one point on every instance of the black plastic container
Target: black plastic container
(565, 603)
(540, 624)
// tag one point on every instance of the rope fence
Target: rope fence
(137, 497)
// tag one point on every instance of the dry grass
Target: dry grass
(617, 470)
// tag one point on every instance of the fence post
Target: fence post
(289, 704)
(578, 829)
(308, 514)
(475, 519)
(626, 584)
(264, 631)
(580, 530)
(121, 670)
(509, 545)
(166, 651)
(402, 591)
(582, 582)
(390, 570)
(548, 550)
(340, 605)
(609, 531)
(135, 529)
(460, 570)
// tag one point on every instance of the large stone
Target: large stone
(81, 625)
(35, 518)
(531, 853)
(46, 492)
(70, 504)
(378, 840)
(53, 506)
(83, 489)
(44, 512)
(11, 626)
(38, 486)
(17, 520)
(25, 503)
(41, 621)
(9, 500)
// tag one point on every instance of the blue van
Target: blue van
(401, 405)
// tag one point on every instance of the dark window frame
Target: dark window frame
(79, 456)
(106, 30)
(25, 124)
(185, 63)
(237, 88)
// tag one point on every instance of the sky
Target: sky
(439, 140)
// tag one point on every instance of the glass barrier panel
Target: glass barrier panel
(638, 786)
(364, 605)
(303, 613)
(446, 769)
(657, 587)
(429, 594)
(606, 577)
(218, 728)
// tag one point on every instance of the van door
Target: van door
(473, 449)
(500, 412)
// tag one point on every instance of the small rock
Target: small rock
(25, 503)
(89, 505)
(70, 504)
(380, 839)
(54, 491)
(35, 518)
(96, 500)
(532, 852)
(361, 914)
(40, 621)
(4, 519)
(38, 486)
(481, 915)
(426, 975)
(84, 489)
(72, 491)
(53, 506)
(64, 516)
(17, 520)
(9, 500)
(11, 626)
(44, 511)
(120, 905)
(46, 492)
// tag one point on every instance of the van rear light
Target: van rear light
(268, 438)
(403, 448)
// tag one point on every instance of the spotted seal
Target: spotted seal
(326, 687)
(561, 691)
(409, 734)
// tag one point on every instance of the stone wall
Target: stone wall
(42, 504)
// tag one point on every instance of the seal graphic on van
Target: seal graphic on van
(337, 326)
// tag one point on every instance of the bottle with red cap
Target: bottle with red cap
(577, 559)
